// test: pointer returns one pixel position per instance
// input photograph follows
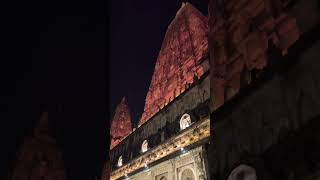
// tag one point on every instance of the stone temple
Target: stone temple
(234, 96)
(172, 136)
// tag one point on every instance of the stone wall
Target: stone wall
(275, 127)
(240, 33)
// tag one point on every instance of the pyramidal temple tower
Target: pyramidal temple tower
(121, 123)
(173, 131)
(183, 50)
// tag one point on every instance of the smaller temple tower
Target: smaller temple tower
(121, 123)
(39, 158)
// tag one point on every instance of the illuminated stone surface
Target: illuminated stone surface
(187, 174)
(239, 32)
(179, 60)
(121, 123)
(39, 158)
(197, 132)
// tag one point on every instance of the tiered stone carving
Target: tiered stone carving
(121, 123)
(179, 61)
(239, 32)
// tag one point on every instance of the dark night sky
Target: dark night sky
(76, 59)
(54, 57)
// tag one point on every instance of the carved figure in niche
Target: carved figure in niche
(243, 172)
(187, 174)
(144, 146)
(185, 121)
(120, 161)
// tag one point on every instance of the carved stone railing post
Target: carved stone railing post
(199, 165)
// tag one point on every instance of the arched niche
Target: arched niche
(187, 174)
(185, 121)
(120, 161)
(144, 146)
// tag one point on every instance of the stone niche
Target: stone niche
(185, 166)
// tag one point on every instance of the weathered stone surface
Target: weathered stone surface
(39, 157)
(121, 123)
(239, 32)
(273, 124)
(184, 46)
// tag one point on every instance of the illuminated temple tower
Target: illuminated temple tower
(39, 158)
(171, 139)
(121, 123)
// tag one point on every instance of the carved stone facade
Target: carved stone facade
(184, 166)
(199, 132)
(268, 126)
(284, 109)
(239, 36)
(39, 158)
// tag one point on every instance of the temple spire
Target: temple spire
(183, 48)
(121, 123)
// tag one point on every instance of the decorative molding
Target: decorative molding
(190, 135)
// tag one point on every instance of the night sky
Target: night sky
(76, 60)
(54, 58)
